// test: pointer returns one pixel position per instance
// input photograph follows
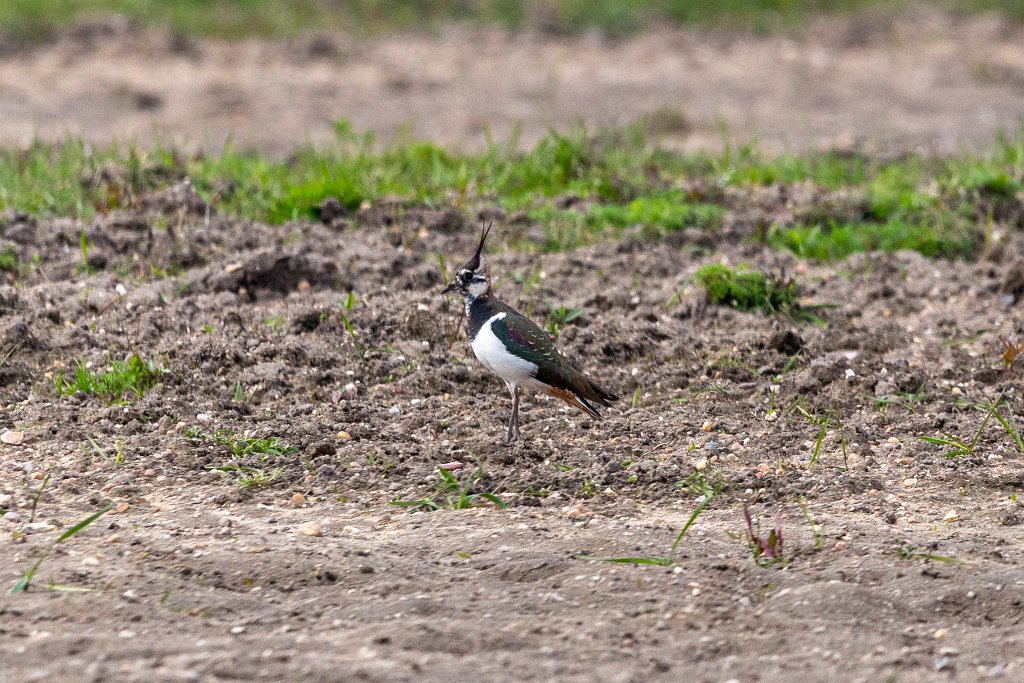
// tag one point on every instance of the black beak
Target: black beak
(448, 288)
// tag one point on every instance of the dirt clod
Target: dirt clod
(788, 342)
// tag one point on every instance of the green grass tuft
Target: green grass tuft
(253, 459)
(9, 260)
(747, 290)
(242, 445)
(833, 242)
(561, 316)
(577, 186)
(452, 495)
(34, 21)
(131, 377)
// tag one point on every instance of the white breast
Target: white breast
(495, 357)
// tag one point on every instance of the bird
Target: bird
(512, 347)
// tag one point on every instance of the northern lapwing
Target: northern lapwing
(516, 350)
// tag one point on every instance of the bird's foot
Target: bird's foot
(511, 437)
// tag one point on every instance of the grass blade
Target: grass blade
(1010, 430)
(421, 503)
(651, 559)
(941, 441)
(35, 499)
(444, 270)
(695, 515)
(821, 438)
(494, 499)
(22, 584)
(61, 588)
(988, 416)
(910, 552)
(84, 523)
(7, 356)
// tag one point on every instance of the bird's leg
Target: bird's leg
(515, 412)
(513, 421)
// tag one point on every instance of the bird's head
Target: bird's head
(470, 280)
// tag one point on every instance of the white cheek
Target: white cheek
(477, 289)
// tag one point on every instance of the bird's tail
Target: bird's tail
(583, 394)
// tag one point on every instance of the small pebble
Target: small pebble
(5, 500)
(204, 417)
(12, 517)
(707, 426)
(951, 517)
(394, 410)
(237, 630)
(701, 465)
(12, 438)
(126, 634)
(309, 529)
(940, 633)
(343, 435)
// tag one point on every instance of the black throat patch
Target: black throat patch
(480, 311)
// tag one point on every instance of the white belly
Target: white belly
(493, 355)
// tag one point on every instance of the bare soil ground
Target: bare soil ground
(886, 82)
(193, 576)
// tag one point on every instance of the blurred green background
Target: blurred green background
(27, 22)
